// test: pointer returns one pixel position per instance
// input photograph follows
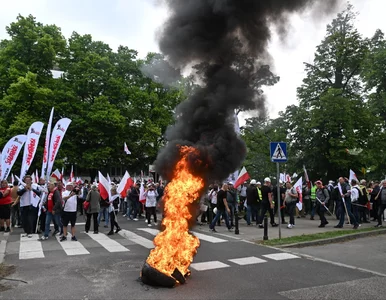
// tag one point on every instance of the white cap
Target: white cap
(253, 181)
(258, 182)
(266, 179)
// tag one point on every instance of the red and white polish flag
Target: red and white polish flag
(72, 174)
(243, 176)
(299, 188)
(104, 187)
(125, 184)
(126, 149)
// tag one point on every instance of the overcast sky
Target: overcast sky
(134, 23)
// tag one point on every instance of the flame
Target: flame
(175, 247)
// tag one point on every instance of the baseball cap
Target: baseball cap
(253, 181)
(230, 183)
(266, 179)
(319, 182)
(258, 182)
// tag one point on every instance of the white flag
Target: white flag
(352, 176)
(46, 147)
(31, 145)
(10, 153)
(56, 140)
(126, 149)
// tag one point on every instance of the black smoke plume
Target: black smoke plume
(226, 41)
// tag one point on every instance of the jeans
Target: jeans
(291, 212)
(252, 210)
(343, 214)
(313, 208)
(49, 217)
(58, 222)
(132, 209)
(15, 215)
(105, 212)
(220, 213)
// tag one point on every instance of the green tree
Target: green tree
(332, 114)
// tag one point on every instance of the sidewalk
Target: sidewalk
(303, 226)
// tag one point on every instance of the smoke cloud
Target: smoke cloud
(226, 42)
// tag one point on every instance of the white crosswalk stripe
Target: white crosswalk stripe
(72, 247)
(131, 236)
(281, 256)
(204, 237)
(209, 265)
(247, 261)
(30, 247)
(108, 243)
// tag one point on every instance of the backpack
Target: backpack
(362, 197)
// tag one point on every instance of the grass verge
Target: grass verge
(315, 237)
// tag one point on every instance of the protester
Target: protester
(5, 206)
(151, 195)
(70, 199)
(113, 210)
(94, 199)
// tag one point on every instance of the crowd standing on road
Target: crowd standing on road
(352, 202)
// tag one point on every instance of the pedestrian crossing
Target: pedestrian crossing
(28, 248)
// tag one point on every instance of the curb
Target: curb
(342, 238)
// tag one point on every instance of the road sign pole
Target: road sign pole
(278, 196)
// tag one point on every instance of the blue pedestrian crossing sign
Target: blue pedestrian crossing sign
(278, 152)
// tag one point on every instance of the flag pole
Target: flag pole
(324, 206)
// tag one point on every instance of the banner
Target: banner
(31, 145)
(10, 153)
(57, 136)
(46, 147)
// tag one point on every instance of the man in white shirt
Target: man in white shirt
(69, 197)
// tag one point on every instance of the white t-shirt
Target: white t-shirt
(71, 203)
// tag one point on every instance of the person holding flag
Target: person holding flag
(113, 210)
(322, 198)
(290, 198)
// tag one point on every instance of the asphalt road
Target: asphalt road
(224, 268)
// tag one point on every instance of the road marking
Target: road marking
(30, 247)
(131, 236)
(313, 258)
(72, 247)
(3, 245)
(209, 265)
(281, 256)
(228, 236)
(247, 261)
(76, 224)
(208, 238)
(204, 237)
(107, 243)
(150, 230)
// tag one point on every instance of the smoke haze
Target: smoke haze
(227, 41)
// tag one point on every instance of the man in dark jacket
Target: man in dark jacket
(133, 203)
(252, 201)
